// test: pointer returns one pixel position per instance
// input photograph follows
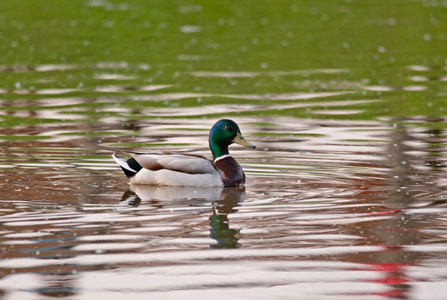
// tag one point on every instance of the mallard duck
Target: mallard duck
(191, 170)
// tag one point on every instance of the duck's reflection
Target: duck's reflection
(220, 225)
(224, 201)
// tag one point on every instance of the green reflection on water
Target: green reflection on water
(279, 44)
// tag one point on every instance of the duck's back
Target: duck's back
(175, 170)
(167, 177)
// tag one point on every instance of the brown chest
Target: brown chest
(230, 171)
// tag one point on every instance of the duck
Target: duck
(173, 169)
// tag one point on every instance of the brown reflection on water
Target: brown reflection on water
(407, 185)
(224, 202)
(310, 187)
(399, 229)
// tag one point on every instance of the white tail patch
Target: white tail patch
(122, 163)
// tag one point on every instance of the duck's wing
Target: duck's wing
(190, 164)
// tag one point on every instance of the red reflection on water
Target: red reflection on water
(394, 277)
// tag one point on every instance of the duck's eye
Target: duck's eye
(226, 127)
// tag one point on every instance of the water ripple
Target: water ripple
(172, 256)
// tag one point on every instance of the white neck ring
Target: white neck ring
(222, 157)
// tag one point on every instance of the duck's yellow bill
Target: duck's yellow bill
(239, 139)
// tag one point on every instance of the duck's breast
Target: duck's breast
(230, 171)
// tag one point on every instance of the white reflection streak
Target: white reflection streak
(194, 111)
(113, 77)
(47, 91)
(272, 73)
(183, 278)
(181, 256)
(267, 96)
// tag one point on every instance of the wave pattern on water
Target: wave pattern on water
(337, 204)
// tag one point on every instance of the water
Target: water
(345, 195)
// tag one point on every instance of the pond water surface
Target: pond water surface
(346, 191)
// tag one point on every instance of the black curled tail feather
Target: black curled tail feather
(134, 165)
(130, 167)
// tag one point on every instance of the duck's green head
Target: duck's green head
(224, 133)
